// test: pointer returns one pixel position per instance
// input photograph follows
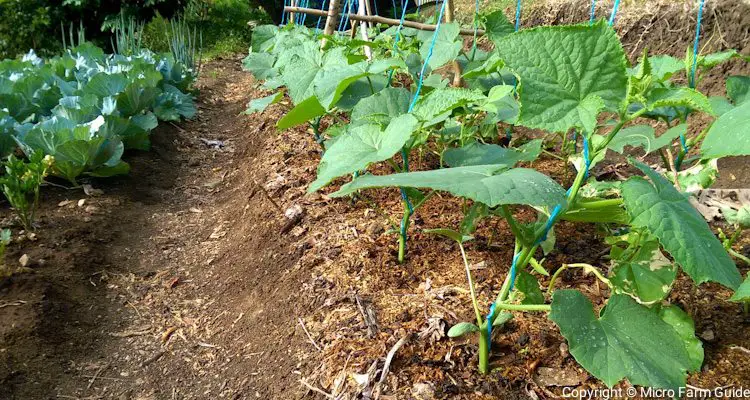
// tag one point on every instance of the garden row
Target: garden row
(75, 114)
(574, 85)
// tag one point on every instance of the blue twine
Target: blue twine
(429, 56)
(341, 20)
(614, 13)
(693, 69)
(420, 82)
(593, 12)
(393, 5)
(696, 43)
(304, 16)
(317, 25)
(375, 6)
(490, 317)
(283, 14)
(396, 40)
(518, 15)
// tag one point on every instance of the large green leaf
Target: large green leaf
(644, 136)
(302, 113)
(685, 328)
(490, 184)
(497, 26)
(103, 84)
(260, 65)
(440, 102)
(136, 98)
(382, 106)
(487, 154)
(568, 74)
(738, 89)
(362, 145)
(627, 341)
(645, 274)
(263, 38)
(728, 136)
(331, 82)
(447, 45)
(743, 292)
(260, 104)
(681, 230)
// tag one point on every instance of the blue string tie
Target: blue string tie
(592, 17)
(518, 15)
(614, 13)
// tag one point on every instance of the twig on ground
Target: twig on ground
(12, 303)
(316, 390)
(308, 334)
(268, 197)
(96, 375)
(153, 358)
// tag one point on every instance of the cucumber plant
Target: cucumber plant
(555, 80)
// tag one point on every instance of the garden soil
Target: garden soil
(209, 272)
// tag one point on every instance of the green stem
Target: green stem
(402, 238)
(524, 307)
(585, 267)
(471, 285)
(597, 204)
(739, 256)
(513, 224)
(527, 251)
(484, 350)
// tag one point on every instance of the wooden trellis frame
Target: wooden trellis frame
(334, 14)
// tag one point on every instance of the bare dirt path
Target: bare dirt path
(169, 285)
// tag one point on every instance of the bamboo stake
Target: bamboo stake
(449, 17)
(332, 20)
(363, 28)
(376, 19)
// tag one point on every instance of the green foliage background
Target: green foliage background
(36, 24)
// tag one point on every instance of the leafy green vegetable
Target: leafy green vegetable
(490, 184)
(361, 146)
(627, 341)
(568, 74)
(727, 136)
(681, 230)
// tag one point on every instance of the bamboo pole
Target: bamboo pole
(368, 8)
(363, 28)
(291, 14)
(449, 17)
(332, 20)
(375, 19)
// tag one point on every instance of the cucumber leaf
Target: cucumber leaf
(728, 136)
(492, 185)
(529, 286)
(681, 230)
(743, 292)
(685, 328)
(627, 341)
(646, 274)
(738, 89)
(486, 154)
(644, 136)
(568, 74)
(362, 145)
(383, 106)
